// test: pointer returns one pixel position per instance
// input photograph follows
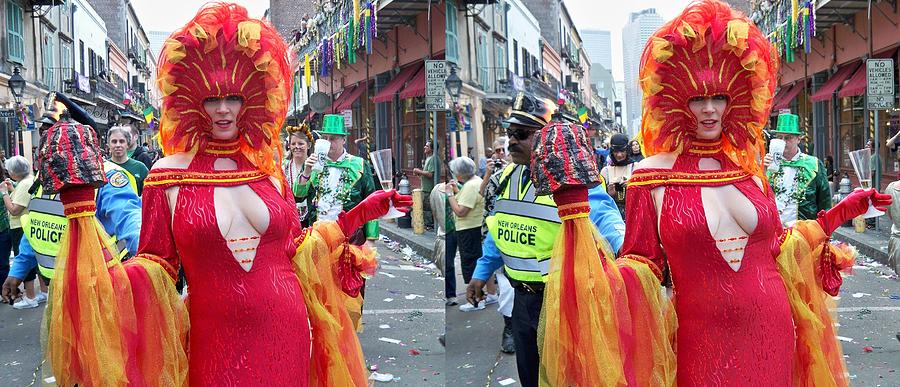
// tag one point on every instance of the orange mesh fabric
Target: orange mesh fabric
(337, 358)
(223, 52)
(819, 360)
(95, 336)
(601, 325)
(708, 50)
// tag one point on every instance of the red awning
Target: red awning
(340, 99)
(857, 84)
(836, 81)
(416, 86)
(350, 98)
(788, 97)
(780, 94)
(387, 93)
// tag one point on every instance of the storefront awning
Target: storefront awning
(836, 81)
(347, 100)
(857, 84)
(340, 99)
(416, 86)
(788, 97)
(780, 94)
(387, 93)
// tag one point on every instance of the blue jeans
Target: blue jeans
(450, 265)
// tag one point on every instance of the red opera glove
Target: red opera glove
(856, 204)
(372, 207)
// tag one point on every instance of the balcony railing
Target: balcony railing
(58, 79)
(109, 90)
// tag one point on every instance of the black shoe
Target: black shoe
(507, 345)
(442, 340)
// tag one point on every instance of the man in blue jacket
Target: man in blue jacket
(118, 210)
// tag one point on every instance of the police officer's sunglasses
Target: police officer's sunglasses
(519, 132)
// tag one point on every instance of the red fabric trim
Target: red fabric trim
(169, 177)
(652, 178)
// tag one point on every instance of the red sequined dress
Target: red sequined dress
(248, 327)
(734, 327)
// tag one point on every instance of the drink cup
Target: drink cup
(321, 149)
(776, 149)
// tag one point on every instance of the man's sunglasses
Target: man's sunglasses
(519, 133)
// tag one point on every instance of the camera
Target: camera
(498, 163)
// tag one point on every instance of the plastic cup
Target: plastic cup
(776, 149)
(321, 149)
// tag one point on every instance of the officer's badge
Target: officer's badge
(118, 179)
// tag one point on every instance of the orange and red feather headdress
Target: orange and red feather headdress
(708, 50)
(222, 52)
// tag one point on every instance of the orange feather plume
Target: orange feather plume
(223, 52)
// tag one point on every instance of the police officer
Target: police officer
(118, 210)
(522, 230)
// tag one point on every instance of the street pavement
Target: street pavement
(473, 345)
(403, 318)
(868, 314)
(389, 314)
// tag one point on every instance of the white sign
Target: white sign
(348, 118)
(436, 72)
(880, 84)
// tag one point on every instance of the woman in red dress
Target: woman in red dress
(748, 294)
(267, 302)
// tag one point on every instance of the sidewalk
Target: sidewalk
(422, 244)
(872, 243)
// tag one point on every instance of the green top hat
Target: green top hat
(788, 124)
(333, 124)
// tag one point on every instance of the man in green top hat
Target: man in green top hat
(800, 181)
(343, 183)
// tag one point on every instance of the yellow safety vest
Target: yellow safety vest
(44, 225)
(524, 227)
(108, 165)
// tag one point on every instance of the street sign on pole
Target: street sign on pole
(880, 84)
(436, 72)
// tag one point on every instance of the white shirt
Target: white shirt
(329, 207)
(787, 208)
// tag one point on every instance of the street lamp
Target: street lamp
(17, 85)
(454, 85)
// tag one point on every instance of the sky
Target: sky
(168, 15)
(612, 15)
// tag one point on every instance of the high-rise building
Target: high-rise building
(634, 36)
(157, 39)
(598, 47)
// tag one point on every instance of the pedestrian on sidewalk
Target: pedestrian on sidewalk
(16, 198)
(429, 175)
(617, 173)
(468, 209)
(489, 190)
(893, 213)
